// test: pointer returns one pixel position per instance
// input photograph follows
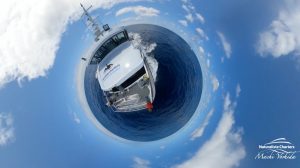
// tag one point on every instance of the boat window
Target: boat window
(130, 80)
(133, 78)
(121, 37)
(108, 46)
(115, 89)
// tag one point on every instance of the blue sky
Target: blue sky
(249, 55)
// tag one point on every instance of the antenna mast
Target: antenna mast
(91, 23)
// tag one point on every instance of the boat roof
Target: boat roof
(120, 64)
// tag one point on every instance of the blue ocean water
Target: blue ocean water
(178, 90)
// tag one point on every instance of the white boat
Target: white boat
(123, 71)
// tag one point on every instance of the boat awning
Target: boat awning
(120, 64)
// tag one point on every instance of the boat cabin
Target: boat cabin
(108, 45)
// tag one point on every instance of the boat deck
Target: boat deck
(139, 89)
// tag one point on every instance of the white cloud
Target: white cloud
(225, 44)
(225, 148)
(109, 4)
(183, 22)
(201, 50)
(140, 163)
(283, 35)
(238, 90)
(189, 17)
(138, 10)
(199, 131)
(7, 133)
(191, 12)
(200, 18)
(74, 115)
(185, 8)
(201, 33)
(31, 31)
(76, 118)
(191, 6)
(215, 83)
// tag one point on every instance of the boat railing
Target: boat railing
(129, 108)
(150, 74)
(127, 88)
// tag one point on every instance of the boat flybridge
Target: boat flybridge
(123, 71)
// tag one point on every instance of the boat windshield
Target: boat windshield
(130, 80)
(109, 45)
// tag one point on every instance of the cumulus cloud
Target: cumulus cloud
(183, 22)
(201, 50)
(138, 10)
(199, 131)
(189, 17)
(109, 4)
(283, 35)
(201, 33)
(6, 129)
(224, 149)
(74, 115)
(185, 8)
(31, 31)
(200, 18)
(140, 163)
(226, 45)
(215, 83)
(191, 13)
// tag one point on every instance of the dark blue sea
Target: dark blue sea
(178, 90)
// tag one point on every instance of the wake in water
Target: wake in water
(138, 42)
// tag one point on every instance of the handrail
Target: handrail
(150, 76)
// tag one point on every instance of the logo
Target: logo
(277, 149)
(108, 66)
